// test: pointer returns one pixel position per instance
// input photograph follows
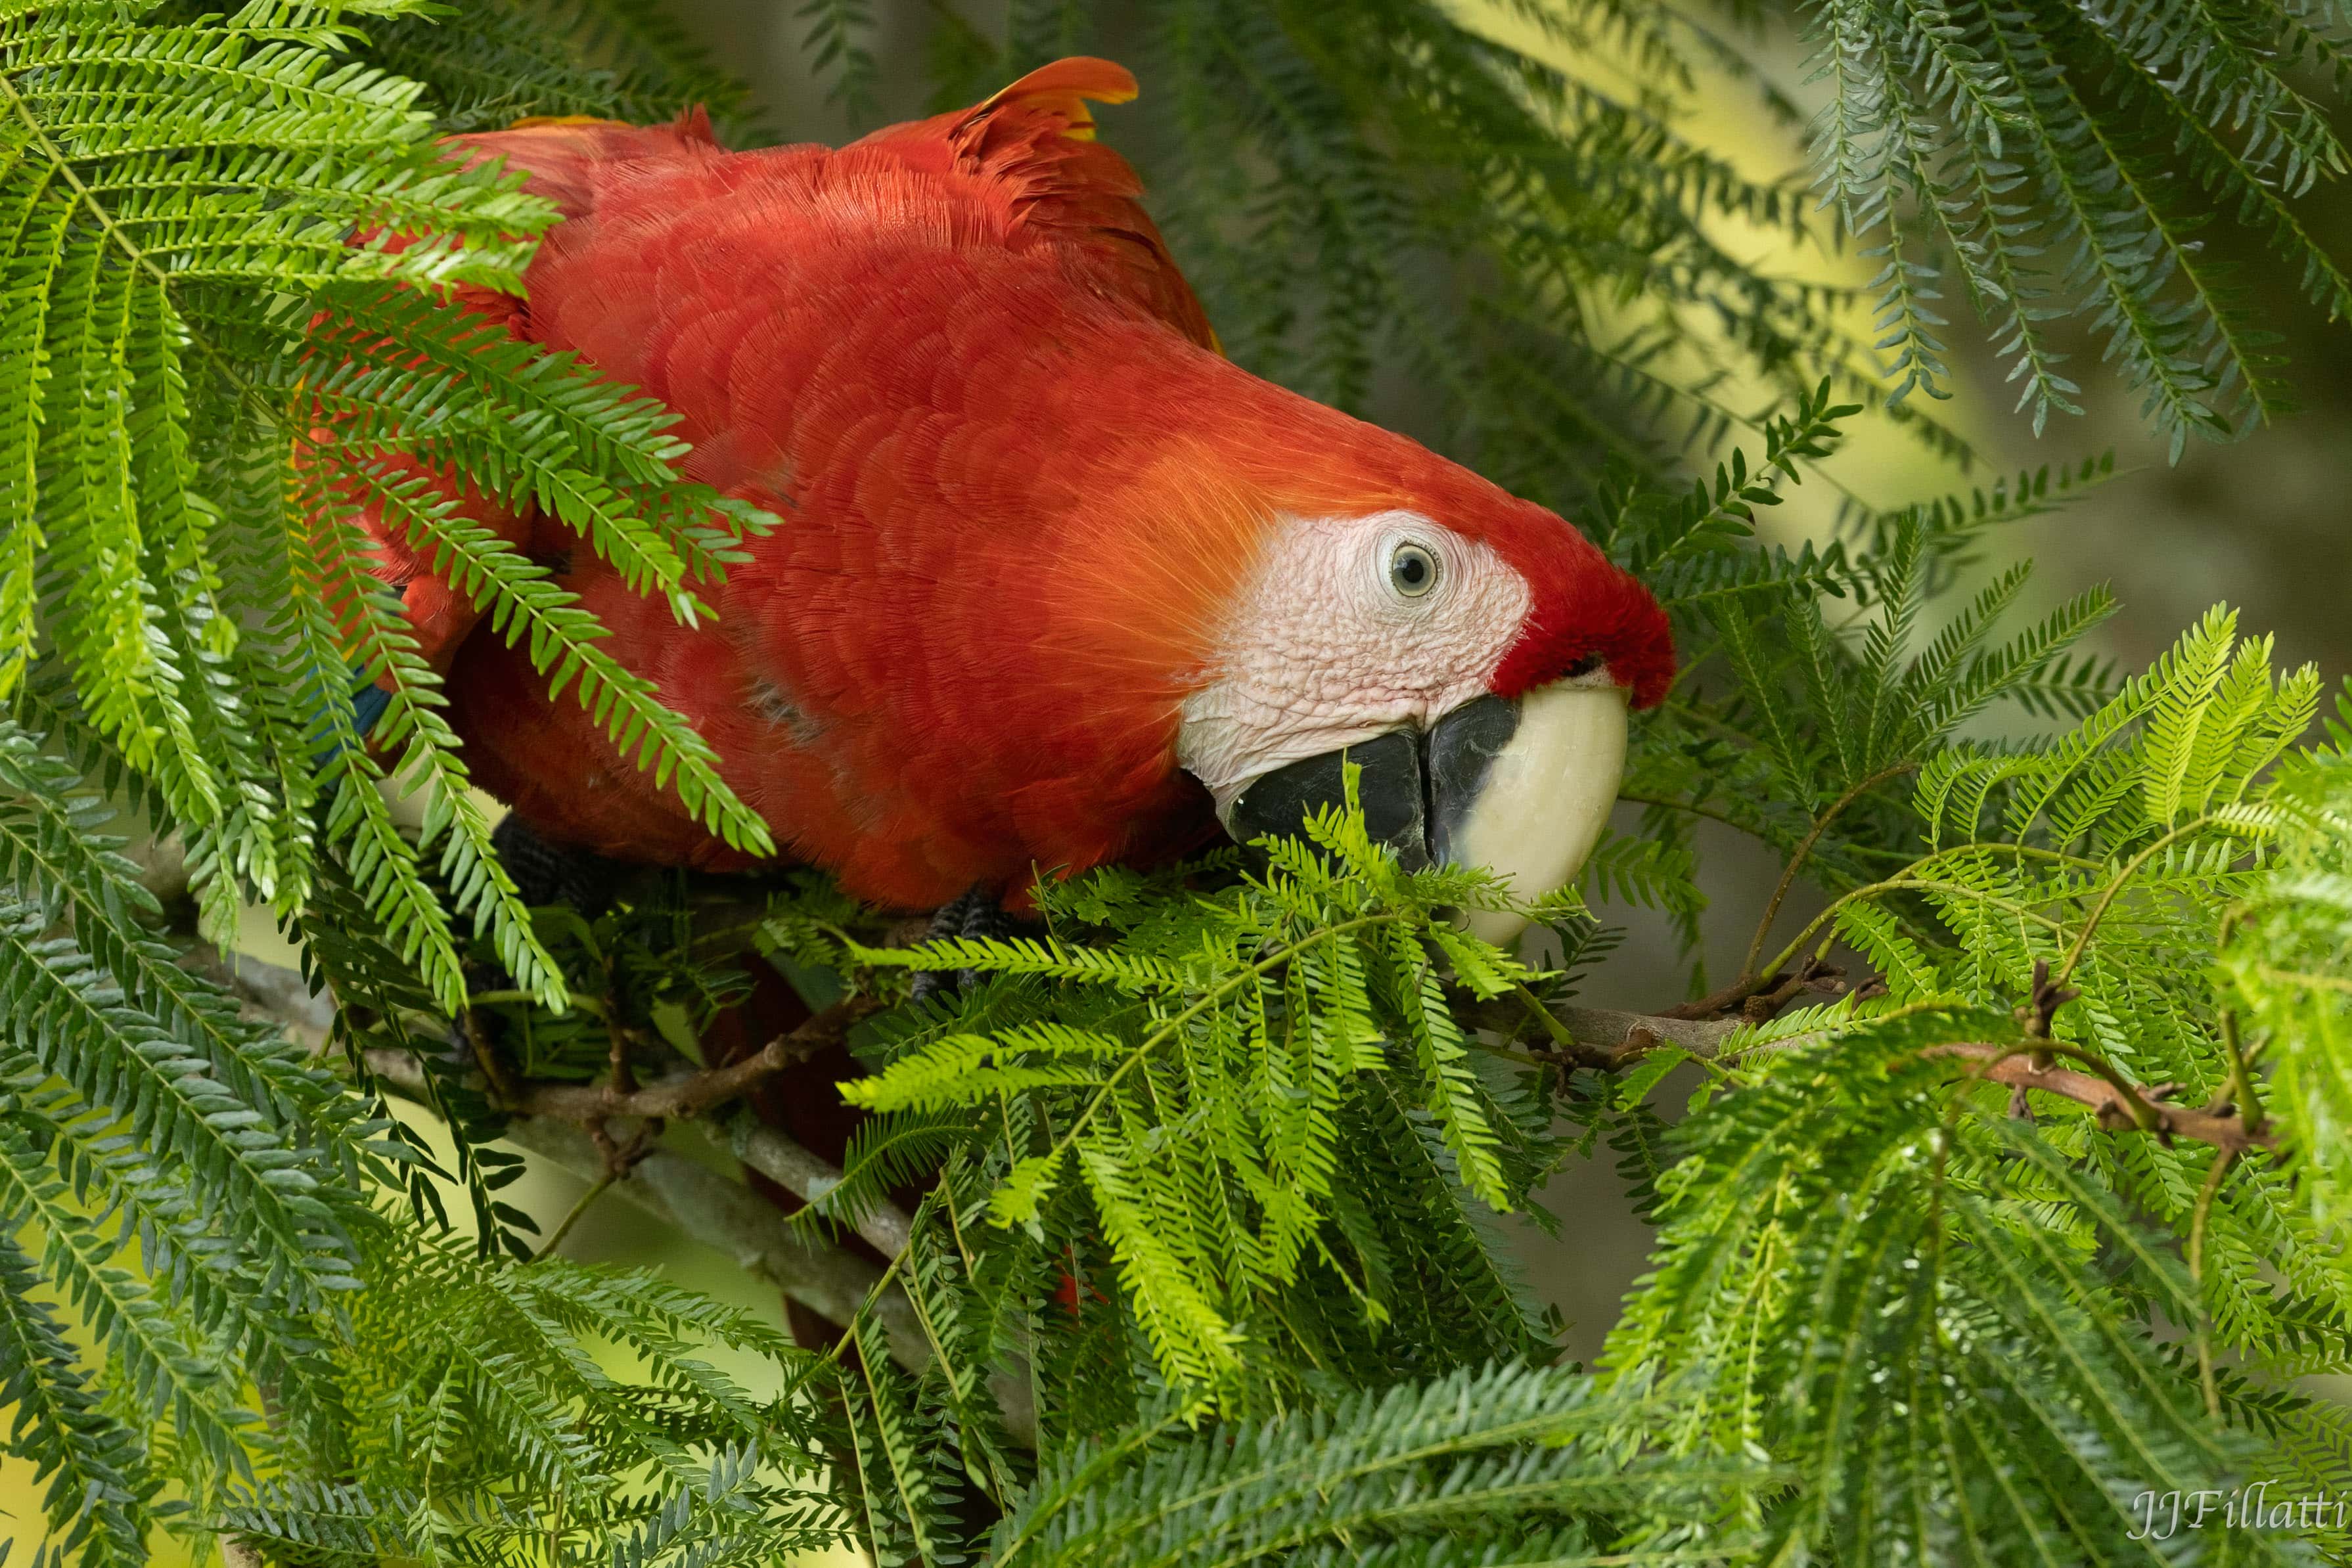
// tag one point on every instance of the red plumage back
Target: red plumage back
(560, 153)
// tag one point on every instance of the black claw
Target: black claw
(976, 915)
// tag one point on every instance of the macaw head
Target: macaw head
(1470, 652)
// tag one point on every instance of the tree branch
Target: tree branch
(692, 1094)
(1805, 847)
(694, 1201)
(1606, 1039)
(1612, 1042)
(2219, 1125)
(684, 1197)
(798, 1170)
(266, 993)
(802, 1172)
(699, 1203)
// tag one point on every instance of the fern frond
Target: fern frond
(1513, 1461)
(94, 1465)
(157, 1360)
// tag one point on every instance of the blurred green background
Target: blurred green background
(2260, 525)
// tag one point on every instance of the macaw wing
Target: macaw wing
(1035, 139)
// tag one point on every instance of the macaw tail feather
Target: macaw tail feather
(367, 707)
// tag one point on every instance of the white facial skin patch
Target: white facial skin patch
(1328, 647)
(1354, 627)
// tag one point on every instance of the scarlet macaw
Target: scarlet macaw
(1057, 584)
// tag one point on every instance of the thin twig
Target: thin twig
(1805, 847)
(1715, 1004)
(1911, 884)
(1633, 798)
(2131, 870)
(478, 1039)
(2197, 1222)
(1614, 1041)
(571, 1216)
(616, 1035)
(2241, 1060)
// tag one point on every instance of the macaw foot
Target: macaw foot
(976, 913)
(546, 872)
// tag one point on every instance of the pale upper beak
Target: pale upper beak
(1522, 786)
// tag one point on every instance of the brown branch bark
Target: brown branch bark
(1756, 997)
(1717, 1004)
(694, 1093)
(810, 1177)
(694, 1201)
(2222, 1127)
(1607, 1039)
(1612, 1042)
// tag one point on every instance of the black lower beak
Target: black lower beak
(1416, 787)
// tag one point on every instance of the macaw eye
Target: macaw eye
(1413, 570)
